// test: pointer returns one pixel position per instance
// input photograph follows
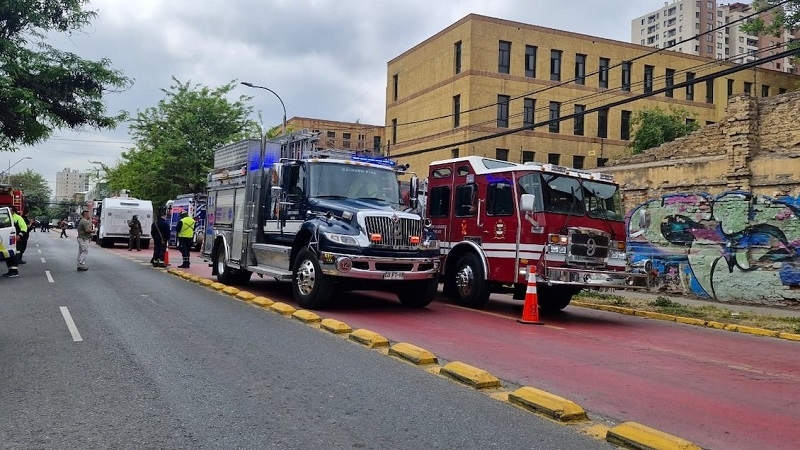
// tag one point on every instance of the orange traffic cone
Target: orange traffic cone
(166, 257)
(530, 312)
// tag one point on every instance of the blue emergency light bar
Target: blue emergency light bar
(367, 159)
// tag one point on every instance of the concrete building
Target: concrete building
(342, 135)
(681, 20)
(472, 87)
(70, 181)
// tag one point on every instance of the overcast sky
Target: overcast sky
(325, 58)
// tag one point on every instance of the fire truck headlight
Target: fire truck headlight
(555, 248)
(344, 239)
(429, 244)
(618, 255)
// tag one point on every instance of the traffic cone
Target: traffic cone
(166, 257)
(530, 312)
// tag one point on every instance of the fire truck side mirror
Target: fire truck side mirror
(277, 175)
(527, 203)
(413, 192)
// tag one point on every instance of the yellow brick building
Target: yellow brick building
(342, 135)
(483, 75)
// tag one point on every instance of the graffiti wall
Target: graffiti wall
(736, 247)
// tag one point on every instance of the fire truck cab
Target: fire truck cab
(496, 218)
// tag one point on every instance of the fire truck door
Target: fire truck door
(499, 226)
(466, 209)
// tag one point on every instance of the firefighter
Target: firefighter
(21, 227)
(185, 232)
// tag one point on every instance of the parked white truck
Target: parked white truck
(113, 215)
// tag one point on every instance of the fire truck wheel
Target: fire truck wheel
(310, 286)
(418, 294)
(555, 298)
(471, 287)
(224, 274)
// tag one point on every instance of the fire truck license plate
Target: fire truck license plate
(393, 276)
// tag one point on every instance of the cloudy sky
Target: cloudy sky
(325, 58)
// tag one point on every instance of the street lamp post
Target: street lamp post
(8, 171)
(255, 86)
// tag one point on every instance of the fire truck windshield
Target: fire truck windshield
(568, 195)
(336, 180)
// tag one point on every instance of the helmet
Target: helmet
(184, 213)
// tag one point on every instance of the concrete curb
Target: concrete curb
(369, 338)
(306, 316)
(548, 404)
(470, 375)
(263, 302)
(246, 296)
(635, 435)
(335, 326)
(412, 353)
(282, 308)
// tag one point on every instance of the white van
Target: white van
(113, 215)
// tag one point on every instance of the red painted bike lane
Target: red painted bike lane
(715, 388)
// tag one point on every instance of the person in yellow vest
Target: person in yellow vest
(21, 226)
(185, 232)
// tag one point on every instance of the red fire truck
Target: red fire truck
(12, 197)
(495, 218)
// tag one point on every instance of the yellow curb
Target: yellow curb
(756, 331)
(283, 309)
(611, 308)
(230, 290)
(205, 282)
(412, 353)
(469, 375)
(789, 336)
(716, 325)
(369, 338)
(691, 321)
(635, 435)
(546, 403)
(186, 275)
(194, 279)
(263, 302)
(246, 296)
(306, 316)
(335, 326)
(217, 286)
(655, 315)
(175, 271)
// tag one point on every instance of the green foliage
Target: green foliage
(653, 127)
(42, 88)
(63, 209)
(774, 21)
(36, 191)
(174, 141)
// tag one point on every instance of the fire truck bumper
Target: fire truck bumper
(596, 278)
(378, 268)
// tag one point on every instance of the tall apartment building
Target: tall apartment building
(497, 88)
(70, 181)
(681, 20)
(342, 135)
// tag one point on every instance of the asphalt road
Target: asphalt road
(155, 362)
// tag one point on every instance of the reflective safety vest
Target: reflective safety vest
(187, 228)
(20, 223)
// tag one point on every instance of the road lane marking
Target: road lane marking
(39, 250)
(43, 261)
(76, 336)
(49, 277)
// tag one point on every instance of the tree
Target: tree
(654, 127)
(779, 16)
(42, 88)
(174, 141)
(36, 191)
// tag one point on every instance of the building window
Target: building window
(690, 87)
(555, 65)
(331, 135)
(376, 144)
(394, 131)
(730, 87)
(602, 123)
(648, 79)
(554, 158)
(625, 126)
(709, 91)
(457, 56)
(528, 112)
(577, 162)
(530, 61)
(601, 162)
(456, 111)
(626, 75)
(580, 69)
(555, 113)
(579, 118)
(502, 111)
(604, 64)
(764, 90)
(501, 154)
(346, 140)
(527, 156)
(394, 87)
(782, 90)
(504, 57)
(748, 88)
(670, 81)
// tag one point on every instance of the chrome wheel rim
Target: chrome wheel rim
(465, 280)
(306, 277)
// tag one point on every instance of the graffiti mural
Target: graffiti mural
(735, 247)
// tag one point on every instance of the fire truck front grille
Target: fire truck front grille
(588, 247)
(395, 231)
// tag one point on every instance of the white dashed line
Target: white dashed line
(49, 277)
(76, 336)
(43, 261)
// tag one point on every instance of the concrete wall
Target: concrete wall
(717, 213)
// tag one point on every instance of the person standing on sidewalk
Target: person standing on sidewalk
(160, 232)
(134, 233)
(185, 232)
(21, 224)
(63, 226)
(21, 227)
(84, 238)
